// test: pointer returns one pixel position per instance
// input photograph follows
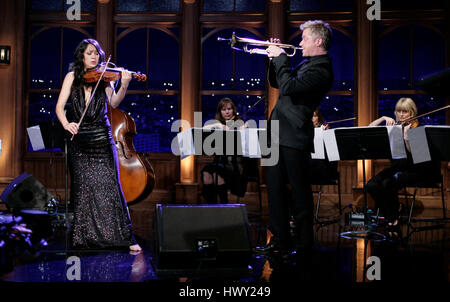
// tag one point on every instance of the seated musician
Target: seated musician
(317, 120)
(226, 171)
(321, 171)
(384, 186)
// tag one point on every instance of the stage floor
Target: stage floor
(420, 255)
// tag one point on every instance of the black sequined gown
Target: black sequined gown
(101, 218)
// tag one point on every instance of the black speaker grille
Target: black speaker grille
(26, 192)
(178, 230)
(183, 226)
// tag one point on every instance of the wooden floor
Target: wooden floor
(418, 253)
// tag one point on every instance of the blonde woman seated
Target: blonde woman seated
(385, 185)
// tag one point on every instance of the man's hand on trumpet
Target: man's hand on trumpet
(274, 51)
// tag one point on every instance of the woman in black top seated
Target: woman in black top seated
(226, 171)
(321, 171)
(384, 186)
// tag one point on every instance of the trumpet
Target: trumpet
(247, 42)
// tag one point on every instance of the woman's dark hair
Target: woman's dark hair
(319, 116)
(222, 103)
(78, 66)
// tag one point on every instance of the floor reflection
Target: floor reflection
(415, 254)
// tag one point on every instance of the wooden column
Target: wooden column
(367, 103)
(275, 29)
(12, 98)
(105, 27)
(186, 190)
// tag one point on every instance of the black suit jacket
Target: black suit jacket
(301, 92)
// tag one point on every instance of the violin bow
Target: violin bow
(424, 114)
(92, 95)
(253, 106)
(344, 120)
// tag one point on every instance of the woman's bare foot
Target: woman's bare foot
(135, 248)
(393, 223)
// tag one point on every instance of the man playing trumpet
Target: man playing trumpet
(300, 92)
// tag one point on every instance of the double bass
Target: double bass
(137, 177)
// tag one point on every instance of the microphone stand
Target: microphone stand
(66, 189)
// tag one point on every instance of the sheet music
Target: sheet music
(395, 138)
(186, 143)
(319, 147)
(396, 141)
(35, 135)
(419, 145)
(249, 142)
(329, 138)
(421, 138)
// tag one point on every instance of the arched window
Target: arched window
(233, 5)
(148, 5)
(314, 5)
(231, 73)
(152, 104)
(51, 52)
(407, 54)
(338, 104)
(58, 5)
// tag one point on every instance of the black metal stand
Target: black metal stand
(363, 143)
(66, 192)
(437, 141)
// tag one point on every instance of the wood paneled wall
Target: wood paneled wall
(12, 98)
(51, 173)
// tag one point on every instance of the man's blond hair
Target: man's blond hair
(319, 29)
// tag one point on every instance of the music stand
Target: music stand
(53, 136)
(225, 148)
(362, 143)
(438, 139)
(430, 143)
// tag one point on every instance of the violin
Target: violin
(98, 73)
(110, 74)
(413, 123)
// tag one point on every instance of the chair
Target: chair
(436, 183)
(324, 173)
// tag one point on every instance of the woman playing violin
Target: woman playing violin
(321, 171)
(384, 186)
(101, 218)
(317, 120)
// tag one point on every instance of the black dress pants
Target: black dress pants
(384, 186)
(292, 168)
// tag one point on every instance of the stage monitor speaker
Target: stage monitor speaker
(26, 192)
(201, 237)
